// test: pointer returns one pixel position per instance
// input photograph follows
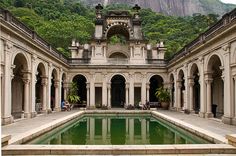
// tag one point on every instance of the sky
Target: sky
(229, 1)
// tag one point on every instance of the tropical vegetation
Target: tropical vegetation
(60, 21)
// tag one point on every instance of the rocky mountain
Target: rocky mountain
(173, 7)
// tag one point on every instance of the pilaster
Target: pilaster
(228, 104)
(8, 68)
(202, 88)
(33, 84)
(131, 89)
(109, 95)
(88, 96)
(104, 90)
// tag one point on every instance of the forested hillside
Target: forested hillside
(173, 7)
(59, 21)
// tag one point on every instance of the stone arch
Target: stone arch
(214, 75)
(26, 59)
(209, 60)
(194, 86)
(156, 81)
(119, 54)
(20, 83)
(118, 90)
(111, 76)
(71, 77)
(153, 74)
(123, 28)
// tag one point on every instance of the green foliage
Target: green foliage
(117, 39)
(163, 94)
(60, 21)
(72, 96)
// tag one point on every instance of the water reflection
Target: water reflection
(118, 131)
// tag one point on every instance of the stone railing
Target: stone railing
(115, 61)
(8, 17)
(158, 62)
(207, 35)
(78, 61)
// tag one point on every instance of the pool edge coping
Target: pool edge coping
(28, 135)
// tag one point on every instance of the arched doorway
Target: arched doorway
(194, 83)
(20, 82)
(80, 80)
(117, 91)
(181, 85)
(217, 86)
(156, 81)
(40, 88)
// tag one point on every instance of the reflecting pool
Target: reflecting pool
(117, 130)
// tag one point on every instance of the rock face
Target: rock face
(173, 7)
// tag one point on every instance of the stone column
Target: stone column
(104, 91)
(109, 95)
(44, 101)
(209, 81)
(127, 94)
(191, 98)
(147, 89)
(8, 75)
(228, 91)
(26, 97)
(33, 83)
(88, 96)
(131, 90)
(178, 104)
(57, 103)
(143, 93)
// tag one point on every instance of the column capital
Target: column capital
(56, 83)
(26, 80)
(191, 82)
(44, 81)
(179, 83)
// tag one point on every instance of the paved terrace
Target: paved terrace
(21, 127)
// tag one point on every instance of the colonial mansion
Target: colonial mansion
(36, 78)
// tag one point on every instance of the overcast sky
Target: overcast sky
(229, 1)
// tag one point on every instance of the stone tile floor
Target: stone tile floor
(207, 124)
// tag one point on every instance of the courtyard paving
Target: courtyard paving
(18, 128)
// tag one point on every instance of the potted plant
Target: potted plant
(164, 97)
(72, 96)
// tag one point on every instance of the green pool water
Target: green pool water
(117, 130)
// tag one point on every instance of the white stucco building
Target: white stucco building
(35, 78)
